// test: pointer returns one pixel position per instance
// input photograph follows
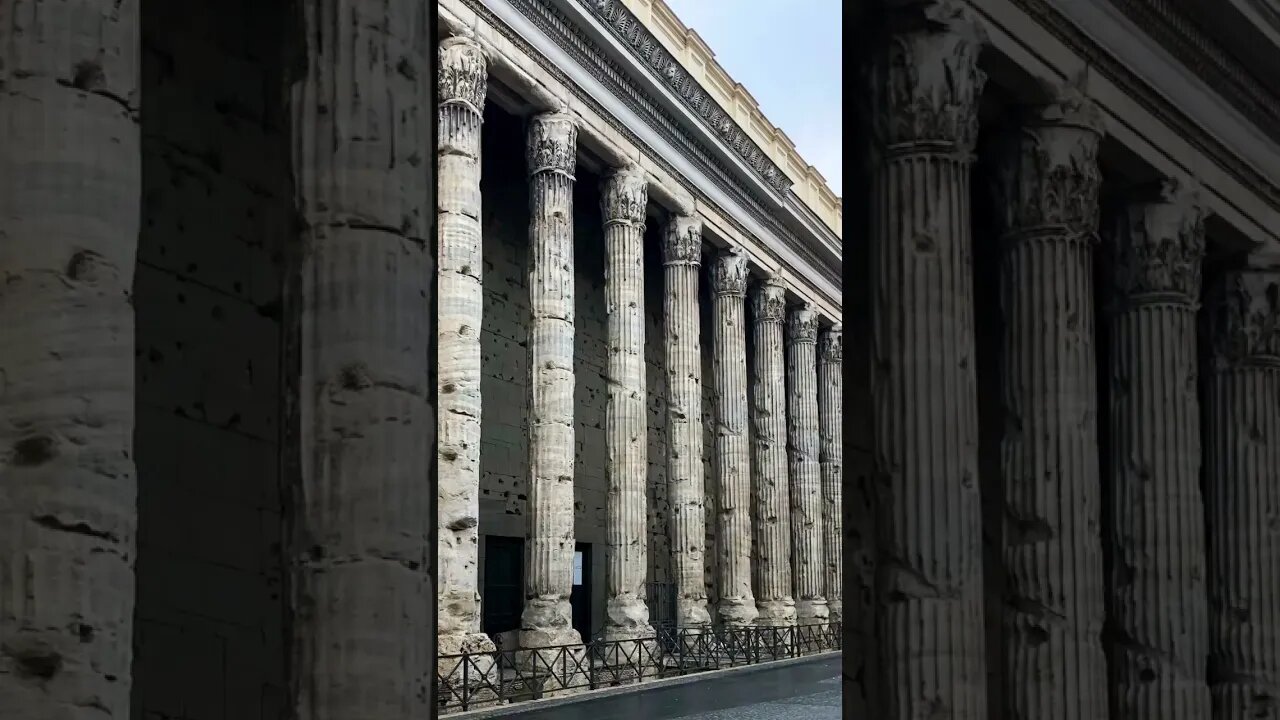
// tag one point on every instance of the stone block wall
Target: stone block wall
(216, 199)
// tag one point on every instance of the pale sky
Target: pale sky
(787, 55)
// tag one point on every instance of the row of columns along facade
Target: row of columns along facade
(783, 571)
(1188, 584)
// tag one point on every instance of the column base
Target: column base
(812, 611)
(475, 680)
(738, 611)
(776, 613)
(835, 609)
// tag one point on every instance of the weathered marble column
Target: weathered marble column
(70, 199)
(831, 428)
(1047, 187)
(682, 260)
(733, 451)
(552, 156)
(623, 200)
(924, 91)
(1156, 597)
(770, 483)
(1242, 453)
(461, 81)
(360, 281)
(807, 560)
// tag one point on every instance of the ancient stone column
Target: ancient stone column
(1242, 453)
(623, 200)
(831, 458)
(1047, 188)
(1156, 596)
(552, 156)
(682, 260)
(733, 451)
(361, 280)
(807, 561)
(770, 482)
(461, 81)
(70, 199)
(924, 90)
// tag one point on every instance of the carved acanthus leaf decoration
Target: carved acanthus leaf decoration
(682, 241)
(802, 327)
(553, 144)
(831, 344)
(729, 273)
(1160, 246)
(769, 302)
(925, 85)
(463, 74)
(1244, 316)
(624, 196)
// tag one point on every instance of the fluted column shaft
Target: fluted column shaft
(929, 597)
(772, 567)
(1156, 595)
(1047, 186)
(70, 204)
(359, 523)
(1241, 457)
(831, 428)
(681, 261)
(807, 568)
(552, 156)
(733, 451)
(623, 202)
(462, 78)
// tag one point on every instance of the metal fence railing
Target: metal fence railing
(475, 680)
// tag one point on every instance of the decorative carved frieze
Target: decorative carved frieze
(553, 142)
(682, 241)
(463, 76)
(831, 344)
(1244, 313)
(649, 50)
(729, 273)
(1047, 175)
(802, 325)
(624, 195)
(770, 303)
(925, 84)
(1160, 245)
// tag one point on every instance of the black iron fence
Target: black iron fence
(475, 680)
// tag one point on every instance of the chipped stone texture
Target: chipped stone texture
(552, 159)
(1156, 597)
(360, 515)
(682, 259)
(69, 222)
(924, 88)
(622, 203)
(737, 604)
(1241, 455)
(807, 561)
(831, 458)
(1047, 187)
(461, 82)
(769, 471)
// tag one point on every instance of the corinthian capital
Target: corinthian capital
(553, 144)
(925, 85)
(1160, 245)
(463, 74)
(1048, 174)
(1244, 316)
(831, 344)
(682, 241)
(729, 273)
(624, 195)
(802, 327)
(769, 302)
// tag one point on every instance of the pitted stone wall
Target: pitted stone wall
(209, 611)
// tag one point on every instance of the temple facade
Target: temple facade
(1066, 288)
